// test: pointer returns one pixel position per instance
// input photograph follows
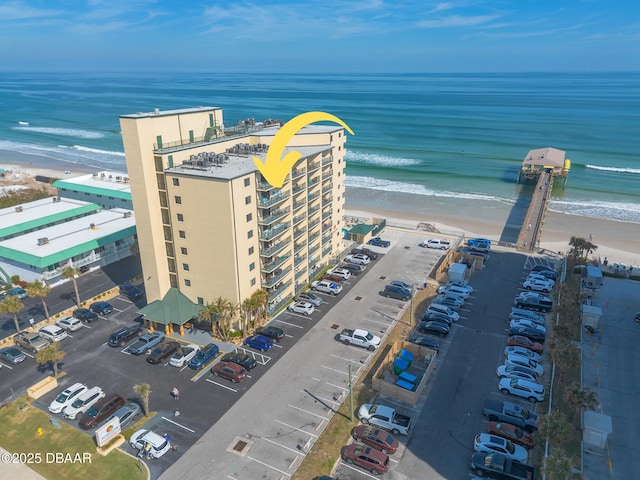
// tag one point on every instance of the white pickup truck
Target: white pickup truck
(384, 417)
(360, 338)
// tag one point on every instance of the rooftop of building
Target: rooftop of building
(236, 162)
(165, 113)
(61, 242)
(33, 215)
(108, 183)
(545, 157)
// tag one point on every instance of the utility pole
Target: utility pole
(350, 395)
(411, 306)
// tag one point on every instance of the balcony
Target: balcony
(298, 247)
(326, 215)
(313, 249)
(276, 215)
(271, 251)
(313, 210)
(297, 173)
(298, 259)
(326, 160)
(266, 186)
(278, 291)
(298, 218)
(299, 204)
(326, 202)
(313, 272)
(276, 306)
(326, 173)
(298, 188)
(275, 231)
(301, 273)
(313, 236)
(272, 266)
(298, 233)
(326, 228)
(312, 196)
(326, 251)
(273, 199)
(313, 182)
(275, 279)
(327, 187)
(313, 166)
(326, 239)
(313, 224)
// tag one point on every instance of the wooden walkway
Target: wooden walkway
(531, 230)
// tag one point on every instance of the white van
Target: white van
(436, 243)
(83, 402)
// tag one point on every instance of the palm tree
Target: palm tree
(555, 426)
(11, 305)
(580, 398)
(134, 249)
(52, 355)
(566, 356)
(144, 390)
(247, 310)
(261, 302)
(220, 313)
(39, 289)
(559, 466)
(70, 273)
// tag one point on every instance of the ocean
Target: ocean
(436, 139)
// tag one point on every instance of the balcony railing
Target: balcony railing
(271, 251)
(313, 210)
(276, 215)
(313, 236)
(276, 306)
(298, 247)
(299, 204)
(313, 224)
(313, 166)
(274, 199)
(297, 173)
(275, 279)
(298, 233)
(327, 187)
(312, 196)
(314, 181)
(326, 251)
(326, 239)
(326, 228)
(300, 273)
(298, 218)
(327, 160)
(271, 266)
(278, 291)
(326, 215)
(299, 258)
(266, 186)
(313, 249)
(275, 231)
(313, 272)
(298, 188)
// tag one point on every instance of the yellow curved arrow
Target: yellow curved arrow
(275, 167)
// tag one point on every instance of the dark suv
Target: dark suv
(120, 337)
(131, 291)
(85, 314)
(101, 308)
(162, 352)
(100, 411)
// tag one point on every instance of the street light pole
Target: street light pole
(411, 306)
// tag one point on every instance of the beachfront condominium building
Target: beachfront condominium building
(208, 222)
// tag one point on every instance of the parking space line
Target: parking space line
(287, 323)
(358, 362)
(296, 428)
(179, 425)
(277, 346)
(376, 322)
(334, 370)
(307, 411)
(7, 366)
(27, 354)
(356, 469)
(288, 336)
(220, 385)
(337, 386)
(269, 466)
(298, 315)
(283, 446)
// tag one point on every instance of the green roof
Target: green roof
(361, 229)
(37, 223)
(79, 187)
(43, 262)
(174, 307)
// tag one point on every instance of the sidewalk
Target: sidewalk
(13, 471)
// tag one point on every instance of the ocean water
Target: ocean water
(439, 136)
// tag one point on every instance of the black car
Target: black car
(131, 291)
(274, 333)
(550, 274)
(101, 308)
(438, 317)
(540, 268)
(85, 315)
(162, 352)
(120, 337)
(428, 342)
(434, 327)
(241, 359)
(532, 333)
(352, 267)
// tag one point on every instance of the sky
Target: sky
(329, 36)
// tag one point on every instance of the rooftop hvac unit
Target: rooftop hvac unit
(92, 225)
(43, 241)
(125, 179)
(118, 178)
(127, 214)
(19, 208)
(110, 177)
(56, 199)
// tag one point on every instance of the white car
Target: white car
(184, 355)
(523, 352)
(523, 322)
(513, 371)
(67, 397)
(83, 402)
(542, 278)
(326, 286)
(53, 333)
(460, 292)
(437, 308)
(524, 362)
(462, 285)
(305, 308)
(340, 272)
(150, 443)
(358, 259)
(487, 443)
(537, 285)
(71, 324)
(532, 391)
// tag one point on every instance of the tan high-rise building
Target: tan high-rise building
(207, 221)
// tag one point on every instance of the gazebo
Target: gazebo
(174, 309)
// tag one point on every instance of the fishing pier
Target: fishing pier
(544, 166)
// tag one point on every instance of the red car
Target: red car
(369, 253)
(511, 432)
(520, 341)
(230, 371)
(334, 279)
(366, 457)
(376, 438)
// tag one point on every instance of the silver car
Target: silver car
(127, 414)
(305, 308)
(309, 297)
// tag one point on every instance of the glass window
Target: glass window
(252, 266)
(247, 182)
(182, 234)
(183, 250)
(185, 266)
(176, 182)
(247, 199)
(180, 217)
(249, 217)
(187, 283)
(178, 200)
(250, 234)
(251, 250)
(253, 282)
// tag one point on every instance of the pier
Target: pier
(543, 166)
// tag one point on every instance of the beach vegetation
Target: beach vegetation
(581, 247)
(580, 398)
(219, 314)
(144, 392)
(12, 305)
(38, 289)
(554, 425)
(51, 355)
(559, 466)
(12, 198)
(70, 273)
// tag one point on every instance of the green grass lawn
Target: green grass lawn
(20, 435)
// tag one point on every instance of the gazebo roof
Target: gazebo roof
(545, 157)
(361, 229)
(174, 307)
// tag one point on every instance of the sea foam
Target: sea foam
(380, 160)
(65, 132)
(614, 169)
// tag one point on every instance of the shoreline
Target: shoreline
(618, 240)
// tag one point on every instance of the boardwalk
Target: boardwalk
(534, 220)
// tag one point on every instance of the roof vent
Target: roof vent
(118, 178)
(127, 214)
(92, 225)
(43, 241)
(56, 199)
(125, 179)
(19, 208)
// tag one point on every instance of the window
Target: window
(252, 267)
(249, 217)
(183, 250)
(185, 267)
(176, 182)
(180, 217)
(178, 200)
(187, 283)
(182, 234)
(200, 301)
(253, 282)
(247, 200)
(247, 182)
(251, 250)
(250, 234)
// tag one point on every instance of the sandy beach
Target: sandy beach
(41, 165)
